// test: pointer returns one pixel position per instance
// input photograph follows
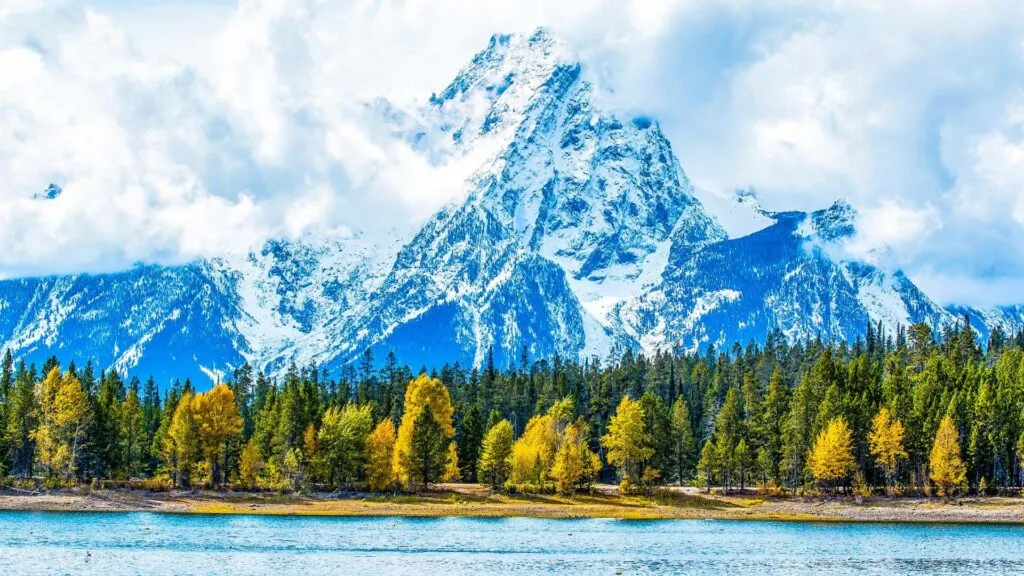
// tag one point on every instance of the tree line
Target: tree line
(912, 411)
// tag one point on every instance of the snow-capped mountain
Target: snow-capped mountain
(577, 232)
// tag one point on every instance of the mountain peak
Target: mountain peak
(51, 193)
(835, 222)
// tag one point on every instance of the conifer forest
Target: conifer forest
(910, 412)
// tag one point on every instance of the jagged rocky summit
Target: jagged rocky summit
(578, 233)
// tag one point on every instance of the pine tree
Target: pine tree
(104, 442)
(151, 421)
(708, 464)
(342, 439)
(470, 437)
(421, 393)
(429, 448)
(773, 418)
(744, 461)
(6, 402)
(683, 443)
(132, 434)
(22, 419)
(658, 427)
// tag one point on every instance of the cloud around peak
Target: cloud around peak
(167, 151)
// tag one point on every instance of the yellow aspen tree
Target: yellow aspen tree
(380, 448)
(217, 421)
(831, 458)
(52, 455)
(627, 442)
(495, 455)
(181, 449)
(451, 465)
(422, 391)
(250, 466)
(573, 467)
(885, 441)
(947, 468)
(64, 419)
(533, 453)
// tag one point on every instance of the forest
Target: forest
(909, 412)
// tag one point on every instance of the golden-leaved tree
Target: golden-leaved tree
(422, 391)
(380, 449)
(495, 454)
(575, 465)
(627, 442)
(217, 422)
(831, 459)
(181, 445)
(250, 466)
(947, 468)
(533, 454)
(885, 441)
(63, 423)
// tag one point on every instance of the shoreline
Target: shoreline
(463, 500)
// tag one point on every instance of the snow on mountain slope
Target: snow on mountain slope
(740, 289)
(576, 232)
(891, 298)
(576, 193)
(1009, 318)
(738, 213)
(165, 322)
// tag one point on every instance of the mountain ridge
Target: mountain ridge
(579, 233)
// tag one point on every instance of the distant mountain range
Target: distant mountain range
(577, 233)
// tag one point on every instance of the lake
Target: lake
(143, 543)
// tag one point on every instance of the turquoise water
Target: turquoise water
(115, 543)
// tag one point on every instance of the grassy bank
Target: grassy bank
(471, 500)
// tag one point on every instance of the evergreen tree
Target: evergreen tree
(683, 444)
(132, 434)
(342, 438)
(470, 436)
(428, 448)
(22, 419)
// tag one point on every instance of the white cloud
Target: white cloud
(891, 229)
(176, 137)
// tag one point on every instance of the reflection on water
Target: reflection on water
(115, 543)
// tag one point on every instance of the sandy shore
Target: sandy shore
(471, 500)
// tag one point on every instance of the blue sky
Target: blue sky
(187, 128)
